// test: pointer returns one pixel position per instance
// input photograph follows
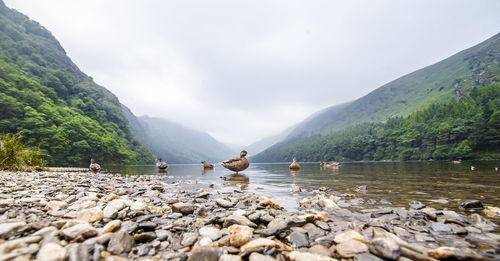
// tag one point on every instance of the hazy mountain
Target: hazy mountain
(442, 82)
(44, 95)
(176, 143)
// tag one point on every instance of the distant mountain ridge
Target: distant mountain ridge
(442, 82)
(176, 143)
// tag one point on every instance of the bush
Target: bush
(15, 156)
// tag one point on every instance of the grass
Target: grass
(14, 155)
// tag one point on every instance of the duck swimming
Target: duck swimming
(294, 165)
(94, 166)
(207, 165)
(329, 165)
(160, 164)
(237, 164)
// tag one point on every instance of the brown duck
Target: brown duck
(207, 165)
(237, 164)
(160, 164)
(294, 165)
(94, 166)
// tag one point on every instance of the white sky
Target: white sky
(243, 70)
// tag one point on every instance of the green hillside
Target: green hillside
(462, 129)
(451, 79)
(55, 105)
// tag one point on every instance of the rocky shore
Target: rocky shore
(86, 216)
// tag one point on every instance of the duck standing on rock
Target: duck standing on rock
(160, 164)
(207, 165)
(294, 165)
(237, 164)
(94, 166)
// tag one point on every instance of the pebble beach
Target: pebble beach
(80, 215)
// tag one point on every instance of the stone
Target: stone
(239, 235)
(203, 253)
(211, 232)
(138, 206)
(471, 205)
(90, 215)
(51, 252)
(7, 228)
(320, 250)
(348, 235)
(77, 252)
(129, 227)
(46, 232)
(453, 253)
(259, 257)
(385, 247)
(296, 189)
(224, 203)
(481, 223)
(205, 241)
(145, 237)
(304, 256)
(113, 207)
(313, 231)
(350, 248)
(258, 243)
(238, 220)
(111, 226)
(368, 257)
(416, 205)
(188, 239)
(228, 257)
(276, 226)
(183, 208)
(56, 205)
(120, 242)
(298, 239)
(83, 230)
(441, 228)
(305, 201)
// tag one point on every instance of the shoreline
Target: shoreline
(85, 216)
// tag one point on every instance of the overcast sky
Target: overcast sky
(243, 70)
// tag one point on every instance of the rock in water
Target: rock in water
(471, 205)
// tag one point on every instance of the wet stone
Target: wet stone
(211, 232)
(203, 254)
(367, 257)
(471, 205)
(225, 203)
(183, 208)
(145, 237)
(416, 205)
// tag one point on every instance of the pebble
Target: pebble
(112, 217)
(239, 235)
(51, 252)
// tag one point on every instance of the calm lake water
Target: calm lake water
(397, 182)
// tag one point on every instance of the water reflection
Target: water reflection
(294, 173)
(162, 172)
(397, 182)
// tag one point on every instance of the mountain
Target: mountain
(267, 142)
(176, 143)
(443, 82)
(44, 95)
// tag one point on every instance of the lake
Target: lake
(396, 182)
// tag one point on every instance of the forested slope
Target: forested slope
(55, 105)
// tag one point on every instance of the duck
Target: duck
(94, 166)
(160, 164)
(207, 165)
(237, 164)
(294, 165)
(328, 165)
